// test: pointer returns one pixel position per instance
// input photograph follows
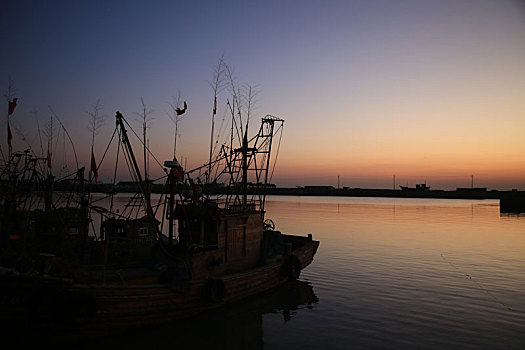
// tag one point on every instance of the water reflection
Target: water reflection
(238, 326)
(407, 274)
(390, 274)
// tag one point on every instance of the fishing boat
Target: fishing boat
(419, 187)
(185, 254)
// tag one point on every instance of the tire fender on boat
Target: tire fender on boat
(293, 267)
(214, 290)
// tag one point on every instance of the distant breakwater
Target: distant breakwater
(509, 200)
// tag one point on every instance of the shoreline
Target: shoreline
(512, 200)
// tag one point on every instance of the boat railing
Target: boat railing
(236, 207)
(239, 208)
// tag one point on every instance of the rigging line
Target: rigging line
(205, 165)
(234, 122)
(137, 197)
(23, 138)
(126, 160)
(221, 131)
(39, 134)
(468, 276)
(159, 178)
(101, 199)
(223, 146)
(149, 152)
(3, 156)
(115, 173)
(164, 208)
(133, 178)
(64, 154)
(69, 137)
(65, 176)
(156, 206)
(54, 148)
(105, 152)
(278, 148)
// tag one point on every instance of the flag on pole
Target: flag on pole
(182, 111)
(12, 105)
(94, 167)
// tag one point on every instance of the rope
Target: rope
(149, 152)
(115, 174)
(277, 153)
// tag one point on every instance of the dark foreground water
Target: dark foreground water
(389, 273)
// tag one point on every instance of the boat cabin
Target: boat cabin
(219, 241)
(128, 239)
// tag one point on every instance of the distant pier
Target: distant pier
(510, 201)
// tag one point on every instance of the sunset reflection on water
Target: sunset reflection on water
(389, 273)
(410, 272)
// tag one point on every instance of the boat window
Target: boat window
(73, 230)
(143, 231)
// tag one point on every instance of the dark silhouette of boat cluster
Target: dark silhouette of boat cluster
(151, 261)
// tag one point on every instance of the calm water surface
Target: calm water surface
(389, 273)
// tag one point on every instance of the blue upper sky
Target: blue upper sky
(421, 89)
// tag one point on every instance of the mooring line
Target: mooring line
(479, 284)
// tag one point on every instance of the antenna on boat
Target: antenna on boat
(217, 85)
(35, 115)
(146, 123)
(177, 112)
(129, 150)
(95, 124)
(11, 108)
(67, 134)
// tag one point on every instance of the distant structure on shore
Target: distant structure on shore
(510, 201)
(419, 187)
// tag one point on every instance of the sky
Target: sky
(373, 93)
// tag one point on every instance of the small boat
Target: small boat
(140, 271)
(419, 187)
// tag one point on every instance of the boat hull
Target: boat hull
(98, 309)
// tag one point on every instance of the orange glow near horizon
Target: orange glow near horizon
(422, 90)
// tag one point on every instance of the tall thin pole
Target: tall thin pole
(8, 139)
(145, 147)
(129, 149)
(216, 85)
(175, 139)
(245, 169)
(9, 95)
(212, 131)
(270, 134)
(231, 136)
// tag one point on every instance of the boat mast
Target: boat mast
(144, 127)
(49, 187)
(211, 137)
(217, 76)
(271, 123)
(245, 168)
(129, 149)
(11, 108)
